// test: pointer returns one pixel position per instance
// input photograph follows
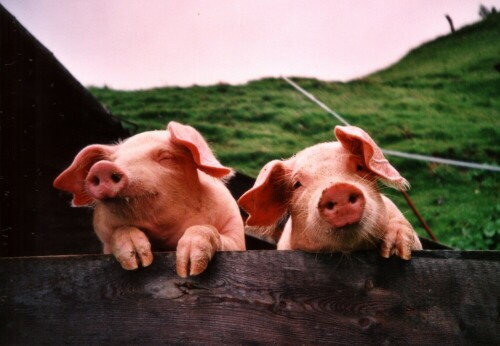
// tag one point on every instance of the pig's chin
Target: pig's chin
(347, 232)
(341, 239)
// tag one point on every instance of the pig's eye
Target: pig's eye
(360, 168)
(164, 156)
(296, 185)
(164, 159)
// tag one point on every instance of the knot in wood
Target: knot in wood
(365, 322)
(369, 285)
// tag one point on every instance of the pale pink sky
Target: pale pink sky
(134, 44)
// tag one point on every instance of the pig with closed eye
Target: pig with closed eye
(161, 190)
(331, 194)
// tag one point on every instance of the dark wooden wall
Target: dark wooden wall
(46, 117)
(254, 297)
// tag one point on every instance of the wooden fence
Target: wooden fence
(254, 297)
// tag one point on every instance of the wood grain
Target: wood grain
(254, 297)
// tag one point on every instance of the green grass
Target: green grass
(442, 99)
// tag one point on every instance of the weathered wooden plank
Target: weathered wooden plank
(284, 297)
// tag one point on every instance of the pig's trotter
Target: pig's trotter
(196, 248)
(399, 239)
(131, 248)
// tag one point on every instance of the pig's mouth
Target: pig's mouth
(349, 231)
(130, 199)
(344, 229)
(344, 239)
(136, 206)
(345, 234)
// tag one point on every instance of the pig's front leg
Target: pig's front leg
(399, 237)
(196, 248)
(131, 247)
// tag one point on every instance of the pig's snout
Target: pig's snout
(105, 180)
(341, 205)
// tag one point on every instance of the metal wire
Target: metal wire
(394, 152)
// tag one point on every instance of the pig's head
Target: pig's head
(141, 169)
(330, 192)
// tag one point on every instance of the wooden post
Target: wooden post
(450, 21)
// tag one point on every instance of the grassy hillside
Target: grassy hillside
(442, 99)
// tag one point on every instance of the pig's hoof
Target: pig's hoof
(398, 240)
(195, 249)
(131, 248)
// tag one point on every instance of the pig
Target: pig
(161, 190)
(331, 195)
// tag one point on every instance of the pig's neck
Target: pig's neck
(293, 240)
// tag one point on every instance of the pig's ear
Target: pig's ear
(266, 202)
(358, 142)
(191, 139)
(73, 178)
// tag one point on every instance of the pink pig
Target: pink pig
(160, 188)
(331, 193)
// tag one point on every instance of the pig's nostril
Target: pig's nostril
(116, 177)
(330, 205)
(95, 180)
(353, 198)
